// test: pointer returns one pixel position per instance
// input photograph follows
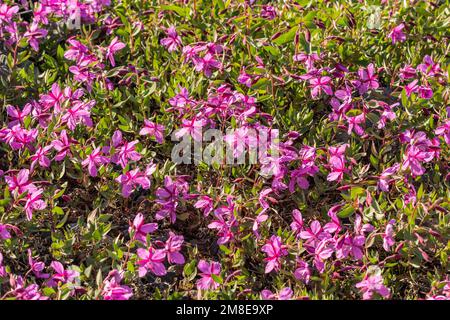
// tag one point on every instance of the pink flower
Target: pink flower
(245, 78)
(140, 229)
(17, 116)
(62, 146)
(79, 112)
(34, 34)
(407, 72)
(224, 222)
(444, 130)
(314, 234)
(429, 67)
(411, 87)
(181, 100)
(168, 199)
(338, 169)
(192, 127)
(131, 180)
(397, 34)
(54, 98)
(62, 275)
(34, 202)
(348, 245)
(274, 249)
(388, 236)
(283, 294)
(373, 284)
(7, 13)
(41, 157)
(93, 160)
(268, 12)
(354, 124)
(425, 92)
(4, 232)
(151, 259)
(207, 282)
(206, 204)
(126, 152)
(173, 247)
(173, 40)
(303, 272)
(367, 79)
(113, 47)
(206, 64)
(113, 290)
(318, 84)
(383, 182)
(37, 267)
(153, 129)
(2, 267)
(297, 223)
(20, 182)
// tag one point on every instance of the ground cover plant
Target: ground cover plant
(349, 199)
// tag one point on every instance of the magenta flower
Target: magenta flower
(411, 87)
(94, 159)
(140, 229)
(206, 204)
(34, 202)
(367, 79)
(37, 267)
(62, 146)
(16, 115)
(131, 180)
(397, 34)
(245, 78)
(3, 272)
(407, 72)
(54, 98)
(274, 250)
(173, 247)
(207, 282)
(388, 236)
(429, 67)
(173, 41)
(7, 13)
(4, 232)
(79, 112)
(34, 34)
(297, 223)
(338, 168)
(168, 199)
(384, 181)
(111, 50)
(22, 292)
(41, 157)
(444, 130)
(62, 275)
(151, 259)
(320, 84)
(20, 182)
(224, 222)
(303, 272)
(314, 234)
(153, 129)
(206, 64)
(373, 284)
(127, 151)
(283, 294)
(268, 12)
(348, 245)
(113, 290)
(192, 127)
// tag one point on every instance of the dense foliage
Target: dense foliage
(356, 202)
